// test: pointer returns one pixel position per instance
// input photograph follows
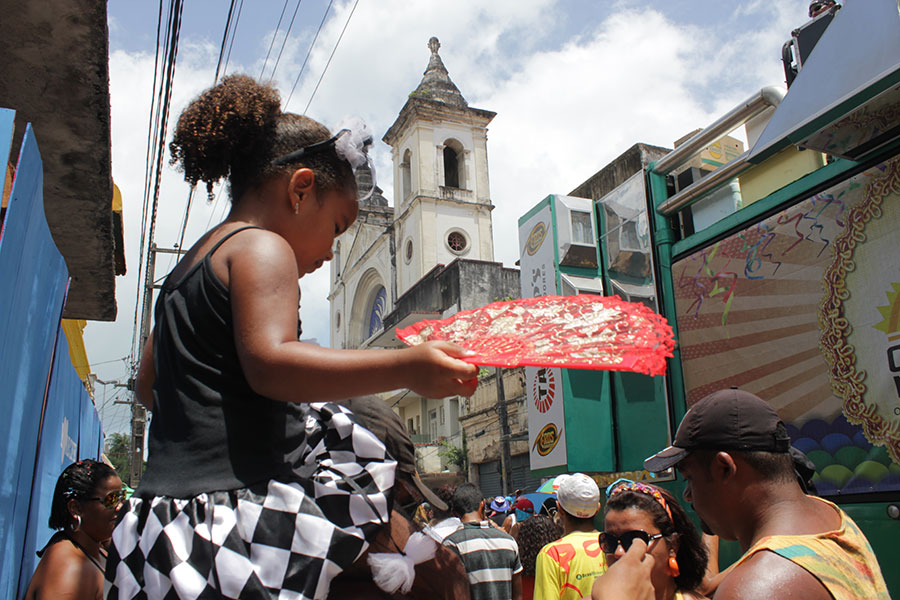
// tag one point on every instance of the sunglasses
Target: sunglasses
(112, 499)
(609, 542)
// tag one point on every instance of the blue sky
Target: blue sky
(574, 84)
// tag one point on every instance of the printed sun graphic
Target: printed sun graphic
(891, 313)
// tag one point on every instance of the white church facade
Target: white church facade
(428, 255)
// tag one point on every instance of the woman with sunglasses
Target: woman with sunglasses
(85, 504)
(637, 511)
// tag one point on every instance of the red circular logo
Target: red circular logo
(544, 389)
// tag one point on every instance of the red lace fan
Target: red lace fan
(581, 332)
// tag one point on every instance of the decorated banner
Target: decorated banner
(546, 417)
(802, 310)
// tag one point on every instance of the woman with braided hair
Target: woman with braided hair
(257, 485)
(86, 500)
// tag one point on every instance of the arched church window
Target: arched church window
(337, 260)
(451, 167)
(376, 313)
(406, 175)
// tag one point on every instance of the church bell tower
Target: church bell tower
(442, 200)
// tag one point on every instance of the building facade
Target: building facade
(428, 255)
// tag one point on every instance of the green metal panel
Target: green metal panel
(639, 402)
(589, 421)
(535, 209)
(882, 533)
(664, 238)
(642, 426)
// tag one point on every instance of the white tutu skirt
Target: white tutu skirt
(276, 539)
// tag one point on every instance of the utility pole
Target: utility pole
(138, 412)
(505, 458)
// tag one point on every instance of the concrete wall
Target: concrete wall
(461, 285)
(616, 172)
(480, 420)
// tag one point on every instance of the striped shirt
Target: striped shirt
(491, 558)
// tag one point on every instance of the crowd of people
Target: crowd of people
(264, 481)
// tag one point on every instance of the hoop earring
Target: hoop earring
(77, 523)
(674, 571)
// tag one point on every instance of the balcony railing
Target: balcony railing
(452, 193)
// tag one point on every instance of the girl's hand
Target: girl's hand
(435, 370)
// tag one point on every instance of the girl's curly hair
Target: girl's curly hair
(236, 128)
(692, 555)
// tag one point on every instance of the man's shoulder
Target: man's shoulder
(758, 577)
(481, 530)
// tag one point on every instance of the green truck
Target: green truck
(778, 266)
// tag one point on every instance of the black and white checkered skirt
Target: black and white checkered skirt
(277, 539)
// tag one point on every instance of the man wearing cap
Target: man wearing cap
(733, 452)
(566, 569)
(489, 554)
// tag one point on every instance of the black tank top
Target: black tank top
(210, 431)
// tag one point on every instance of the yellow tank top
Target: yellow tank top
(842, 560)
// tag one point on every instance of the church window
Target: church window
(451, 167)
(377, 311)
(406, 175)
(457, 242)
(337, 260)
(408, 251)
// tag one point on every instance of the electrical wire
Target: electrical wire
(338, 43)
(158, 124)
(284, 41)
(272, 43)
(233, 35)
(308, 53)
(224, 39)
(173, 258)
(146, 200)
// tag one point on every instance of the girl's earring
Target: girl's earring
(77, 523)
(296, 208)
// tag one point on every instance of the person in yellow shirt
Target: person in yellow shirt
(566, 569)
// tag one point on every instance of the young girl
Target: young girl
(249, 491)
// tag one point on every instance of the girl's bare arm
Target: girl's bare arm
(263, 277)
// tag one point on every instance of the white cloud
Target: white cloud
(566, 107)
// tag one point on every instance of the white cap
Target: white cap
(578, 495)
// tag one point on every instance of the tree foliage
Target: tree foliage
(455, 456)
(118, 449)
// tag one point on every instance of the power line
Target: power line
(338, 43)
(308, 53)
(272, 43)
(219, 67)
(284, 41)
(146, 200)
(233, 35)
(224, 38)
